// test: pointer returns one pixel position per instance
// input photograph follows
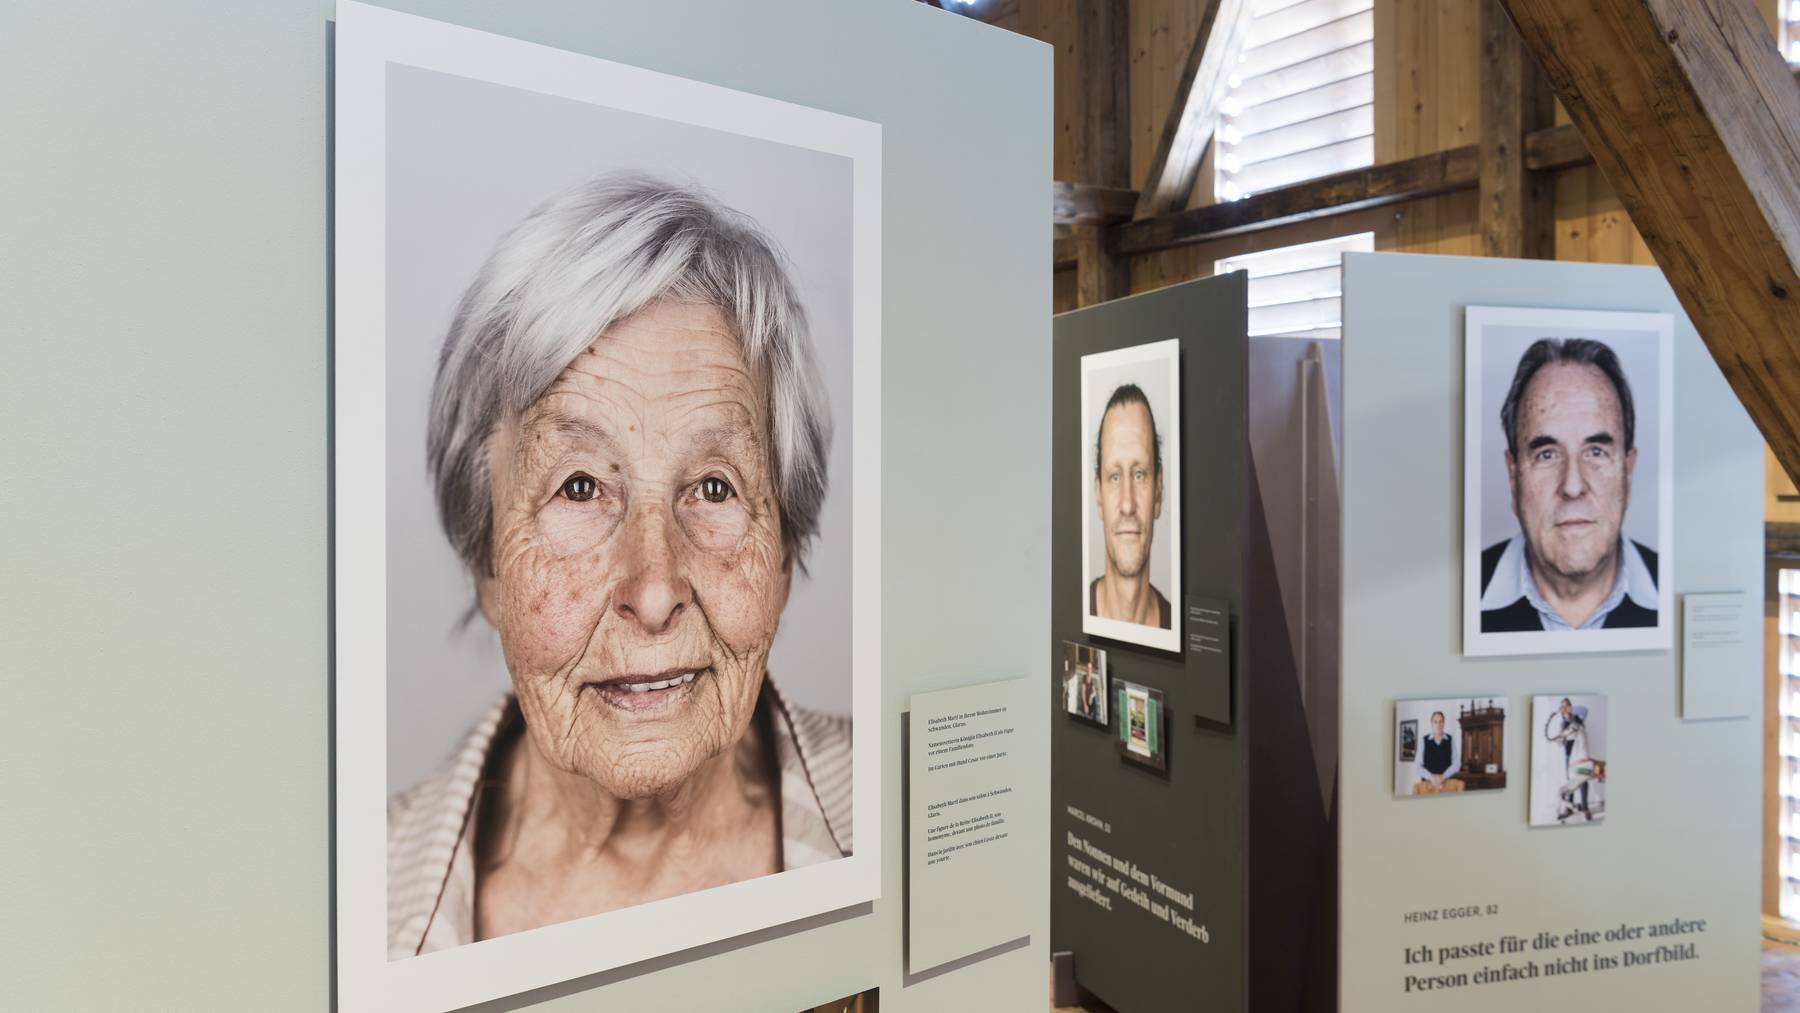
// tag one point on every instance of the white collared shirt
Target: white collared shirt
(431, 826)
(1512, 580)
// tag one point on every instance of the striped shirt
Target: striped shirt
(431, 826)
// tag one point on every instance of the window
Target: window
(1790, 30)
(1301, 102)
(1787, 618)
(1298, 290)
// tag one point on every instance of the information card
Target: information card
(964, 849)
(1721, 656)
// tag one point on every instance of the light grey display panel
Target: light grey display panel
(167, 256)
(1679, 842)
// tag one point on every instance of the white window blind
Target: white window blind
(1790, 30)
(1298, 290)
(1301, 101)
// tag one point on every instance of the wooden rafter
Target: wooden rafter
(1375, 186)
(1692, 114)
(1195, 110)
(1518, 215)
(1102, 139)
(1082, 204)
(1557, 148)
(1546, 150)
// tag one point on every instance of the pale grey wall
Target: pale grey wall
(1683, 836)
(164, 641)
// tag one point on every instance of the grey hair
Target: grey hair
(1573, 351)
(583, 260)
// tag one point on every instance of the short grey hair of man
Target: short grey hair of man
(582, 261)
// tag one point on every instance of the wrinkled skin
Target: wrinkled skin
(636, 536)
(647, 574)
(1571, 483)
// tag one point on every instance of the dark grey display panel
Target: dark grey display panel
(1167, 876)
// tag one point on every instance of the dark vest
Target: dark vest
(1437, 755)
(1520, 617)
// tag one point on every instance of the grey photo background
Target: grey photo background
(1547, 771)
(1639, 353)
(1402, 637)
(466, 161)
(1154, 377)
(172, 800)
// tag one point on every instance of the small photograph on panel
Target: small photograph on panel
(1567, 481)
(1142, 736)
(1447, 747)
(1409, 740)
(1084, 682)
(1131, 494)
(1568, 762)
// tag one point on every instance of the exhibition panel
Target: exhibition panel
(1541, 462)
(1291, 686)
(615, 428)
(1194, 609)
(1148, 819)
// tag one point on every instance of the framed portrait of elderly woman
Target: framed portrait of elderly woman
(1568, 481)
(1131, 494)
(606, 456)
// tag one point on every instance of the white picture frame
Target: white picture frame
(1494, 339)
(1156, 368)
(368, 40)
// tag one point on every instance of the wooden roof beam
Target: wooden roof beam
(1518, 217)
(1102, 139)
(1375, 186)
(1692, 114)
(1561, 147)
(1082, 204)
(1188, 129)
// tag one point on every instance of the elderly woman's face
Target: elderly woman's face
(639, 573)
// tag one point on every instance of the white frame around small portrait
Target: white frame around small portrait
(1567, 323)
(369, 39)
(1169, 429)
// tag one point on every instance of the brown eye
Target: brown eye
(714, 489)
(580, 488)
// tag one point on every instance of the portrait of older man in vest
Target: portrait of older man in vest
(1571, 448)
